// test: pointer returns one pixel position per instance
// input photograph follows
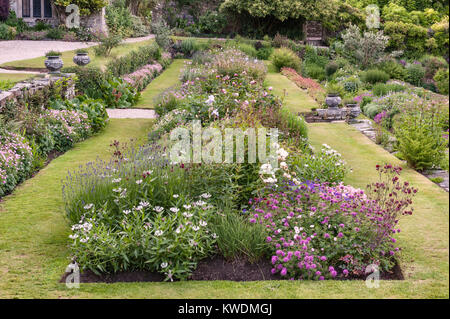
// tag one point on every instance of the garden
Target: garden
(327, 208)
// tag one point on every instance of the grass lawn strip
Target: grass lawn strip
(67, 57)
(168, 78)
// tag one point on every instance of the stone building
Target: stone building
(32, 11)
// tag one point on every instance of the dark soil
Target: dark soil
(216, 268)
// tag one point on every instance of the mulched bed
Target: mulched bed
(215, 268)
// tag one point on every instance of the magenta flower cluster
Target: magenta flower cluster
(321, 231)
(142, 77)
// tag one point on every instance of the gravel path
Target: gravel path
(26, 49)
(131, 113)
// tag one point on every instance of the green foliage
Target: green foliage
(381, 89)
(407, 37)
(441, 79)
(188, 47)
(212, 22)
(89, 80)
(394, 69)
(87, 7)
(364, 49)
(237, 238)
(248, 49)
(375, 76)
(325, 165)
(55, 33)
(285, 58)
(107, 43)
(331, 68)
(134, 60)
(432, 64)
(416, 73)
(117, 93)
(119, 20)
(5, 85)
(15, 22)
(162, 34)
(372, 109)
(441, 37)
(264, 53)
(314, 71)
(7, 32)
(53, 53)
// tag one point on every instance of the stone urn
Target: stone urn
(333, 100)
(54, 63)
(81, 59)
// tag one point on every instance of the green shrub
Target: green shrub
(312, 56)
(381, 89)
(248, 49)
(107, 43)
(295, 124)
(372, 109)
(55, 33)
(237, 238)
(419, 143)
(331, 68)
(285, 58)
(375, 76)
(314, 71)
(407, 37)
(134, 60)
(119, 21)
(432, 64)
(89, 80)
(351, 85)
(441, 79)
(416, 73)
(264, 53)
(188, 47)
(7, 32)
(394, 69)
(162, 34)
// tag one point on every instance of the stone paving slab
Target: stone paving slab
(131, 114)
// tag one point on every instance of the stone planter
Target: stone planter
(333, 100)
(54, 64)
(81, 59)
(354, 110)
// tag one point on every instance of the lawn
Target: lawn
(67, 56)
(15, 77)
(167, 79)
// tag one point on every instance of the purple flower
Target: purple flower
(283, 272)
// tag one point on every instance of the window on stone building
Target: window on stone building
(37, 8)
(47, 9)
(25, 8)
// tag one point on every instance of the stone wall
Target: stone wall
(30, 87)
(333, 114)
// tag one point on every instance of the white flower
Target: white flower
(297, 230)
(144, 204)
(210, 100)
(74, 236)
(203, 223)
(312, 226)
(158, 209)
(214, 235)
(139, 181)
(88, 206)
(174, 209)
(164, 265)
(187, 215)
(200, 203)
(282, 154)
(139, 207)
(195, 228)
(187, 207)
(148, 172)
(117, 190)
(205, 195)
(116, 180)
(215, 113)
(158, 232)
(176, 196)
(84, 240)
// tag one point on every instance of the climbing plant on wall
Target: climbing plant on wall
(87, 7)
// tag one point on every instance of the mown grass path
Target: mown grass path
(165, 80)
(425, 234)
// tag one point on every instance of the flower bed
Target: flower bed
(142, 211)
(313, 88)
